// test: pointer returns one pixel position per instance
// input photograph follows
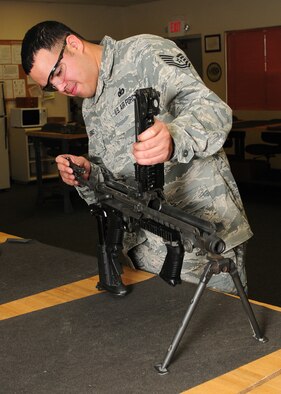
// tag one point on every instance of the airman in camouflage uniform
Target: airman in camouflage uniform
(198, 178)
(197, 174)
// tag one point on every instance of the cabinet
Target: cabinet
(22, 157)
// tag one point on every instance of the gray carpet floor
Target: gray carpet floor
(105, 345)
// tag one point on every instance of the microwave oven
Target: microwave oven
(28, 117)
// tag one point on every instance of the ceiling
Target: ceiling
(112, 3)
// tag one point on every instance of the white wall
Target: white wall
(206, 17)
(91, 22)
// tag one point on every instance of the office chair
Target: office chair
(236, 138)
(272, 147)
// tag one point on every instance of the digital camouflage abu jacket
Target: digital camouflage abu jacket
(198, 177)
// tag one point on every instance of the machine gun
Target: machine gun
(140, 204)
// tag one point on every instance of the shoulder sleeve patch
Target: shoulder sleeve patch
(178, 60)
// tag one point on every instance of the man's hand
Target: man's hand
(66, 172)
(155, 145)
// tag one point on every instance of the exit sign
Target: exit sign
(176, 27)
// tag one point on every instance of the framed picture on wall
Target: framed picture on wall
(213, 43)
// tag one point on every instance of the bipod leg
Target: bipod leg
(246, 304)
(206, 276)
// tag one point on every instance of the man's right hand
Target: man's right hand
(66, 172)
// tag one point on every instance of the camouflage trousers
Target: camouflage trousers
(150, 255)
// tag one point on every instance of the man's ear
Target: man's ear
(74, 43)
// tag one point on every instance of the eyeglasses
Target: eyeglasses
(57, 73)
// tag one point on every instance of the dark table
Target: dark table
(65, 140)
(241, 129)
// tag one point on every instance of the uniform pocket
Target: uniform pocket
(96, 146)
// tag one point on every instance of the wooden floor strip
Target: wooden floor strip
(273, 387)
(260, 376)
(66, 293)
(264, 382)
(4, 237)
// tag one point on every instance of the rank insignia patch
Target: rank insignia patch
(178, 61)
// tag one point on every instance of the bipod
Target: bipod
(214, 266)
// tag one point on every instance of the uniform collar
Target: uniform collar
(108, 45)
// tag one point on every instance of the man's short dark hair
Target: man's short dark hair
(44, 35)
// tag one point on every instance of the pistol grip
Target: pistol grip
(172, 266)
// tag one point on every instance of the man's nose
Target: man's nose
(61, 87)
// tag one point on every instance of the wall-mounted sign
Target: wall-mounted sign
(176, 27)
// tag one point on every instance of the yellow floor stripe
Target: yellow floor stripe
(66, 293)
(259, 376)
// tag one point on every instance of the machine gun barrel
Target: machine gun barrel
(212, 242)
